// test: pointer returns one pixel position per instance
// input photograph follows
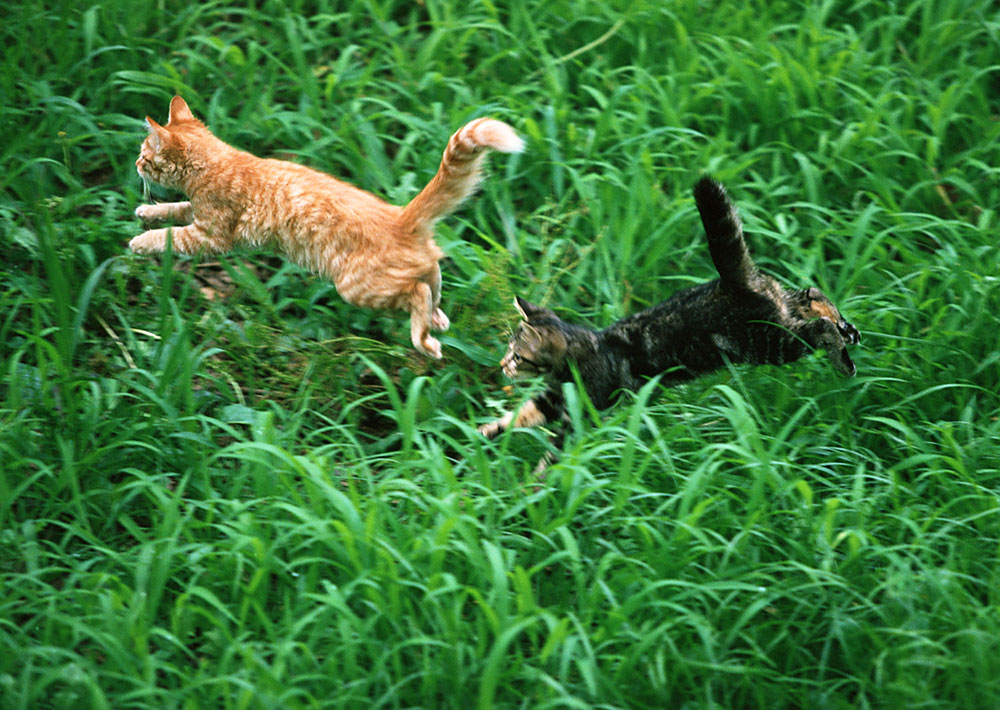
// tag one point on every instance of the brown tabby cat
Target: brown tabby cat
(743, 316)
(378, 255)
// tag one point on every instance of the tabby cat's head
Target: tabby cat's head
(538, 346)
(164, 154)
(812, 303)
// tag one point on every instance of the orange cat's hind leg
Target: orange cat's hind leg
(421, 311)
(439, 321)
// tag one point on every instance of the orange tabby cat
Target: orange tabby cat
(378, 255)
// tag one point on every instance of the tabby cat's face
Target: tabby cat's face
(813, 303)
(538, 346)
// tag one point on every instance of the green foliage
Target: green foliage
(220, 486)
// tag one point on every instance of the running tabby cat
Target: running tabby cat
(743, 316)
(378, 255)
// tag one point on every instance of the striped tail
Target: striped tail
(725, 233)
(460, 172)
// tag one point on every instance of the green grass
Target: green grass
(268, 500)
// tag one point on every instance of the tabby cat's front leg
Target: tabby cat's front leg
(822, 333)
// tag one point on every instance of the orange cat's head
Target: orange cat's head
(161, 158)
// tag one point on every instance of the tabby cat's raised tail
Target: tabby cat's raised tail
(724, 231)
(460, 172)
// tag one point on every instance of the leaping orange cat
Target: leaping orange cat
(378, 255)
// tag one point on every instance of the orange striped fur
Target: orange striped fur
(378, 255)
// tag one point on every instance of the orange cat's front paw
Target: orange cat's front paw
(164, 211)
(150, 242)
(147, 213)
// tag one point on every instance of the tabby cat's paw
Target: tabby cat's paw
(849, 333)
(439, 321)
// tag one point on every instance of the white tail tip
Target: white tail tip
(496, 135)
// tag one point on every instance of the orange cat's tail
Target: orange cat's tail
(460, 171)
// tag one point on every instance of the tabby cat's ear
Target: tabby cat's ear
(530, 310)
(179, 111)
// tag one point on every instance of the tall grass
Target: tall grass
(220, 486)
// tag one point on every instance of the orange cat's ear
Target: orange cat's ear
(156, 131)
(179, 111)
